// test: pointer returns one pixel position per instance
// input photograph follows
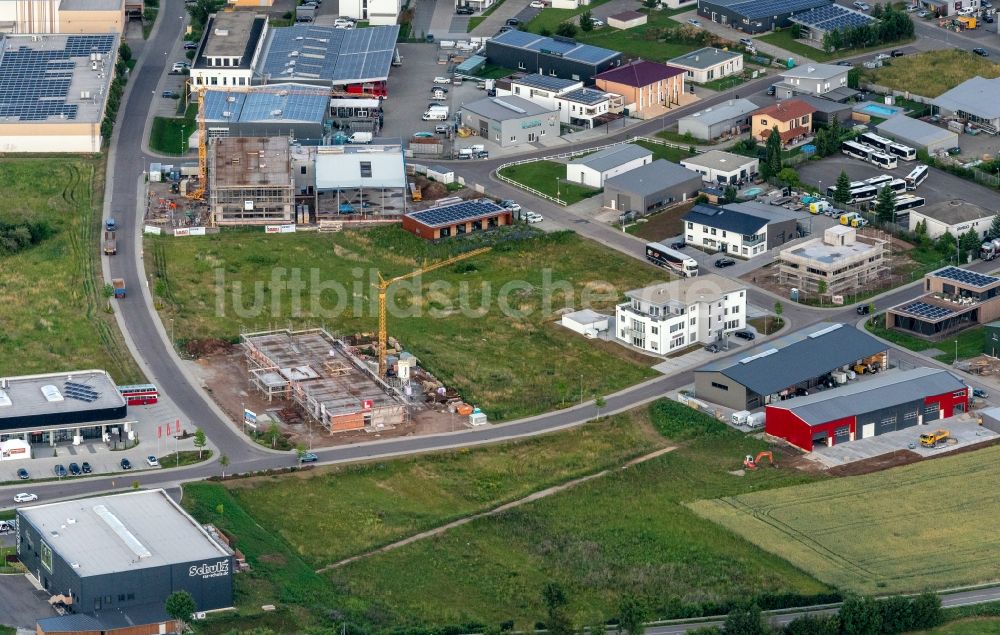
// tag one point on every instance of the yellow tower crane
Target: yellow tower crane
(383, 285)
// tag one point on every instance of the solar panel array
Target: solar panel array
(342, 56)
(275, 102)
(35, 82)
(967, 277)
(832, 18)
(587, 96)
(927, 311)
(568, 50)
(81, 392)
(545, 82)
(450, 214)
(758, 9)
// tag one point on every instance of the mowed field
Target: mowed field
(53, 313)
(920, 527)
(935, 72)
(487, 326)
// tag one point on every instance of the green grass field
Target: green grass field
(980, 626)
(503, 351)
(785, 40)
(669, 153)
(640, 41)
(169, 135)
(970, 341)
(908, 529)
(53, 309)
(549, 177)
(625, 533)
(551, 18)
(933, 72)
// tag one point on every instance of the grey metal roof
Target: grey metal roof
(22, 396)
(719, 160)
(704, 58)
(887, 390)
(757, 9)
(813, 70)
(733, 109)
(70, 623)
(914, 130)
(105, 620)
(651, 178)
(977, 96)
(151, 531)
(506, 107)
(774, 366)
(824, 105)
(725, 219)
(612, 157)
(705, 288)
(545, 82)
(562, 47)
(341, 56)
(954, 212)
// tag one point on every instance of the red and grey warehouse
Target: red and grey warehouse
(891, 402)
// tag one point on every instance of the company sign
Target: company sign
(534, 123)
(151, 229)
(216, 570)
(279, 229)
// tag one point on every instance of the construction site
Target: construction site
(250, 181)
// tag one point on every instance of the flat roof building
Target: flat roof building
(123, 554)
(954, 217)
(772, 371)
(917, 134)
(755, 16)
(820, 80)
(728, 119)
(842, 260)
(555, 56)
(650, 187)
(827, 109)
(720, 167)
(42, 17)
(456, 219)
(708, 64)
(250, 181)
(228, 51)
(575, 104)
(816, 23)
(894, 401)
(738, 232)
(627, 20)
(593, 169)
(510, 120)
(954, 299)
(367, 179)
(294, 111)
(54, 94)
(975, 101)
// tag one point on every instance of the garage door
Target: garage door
(931, 412)
(887, 424)
(867, 430)
(819, 438)
(842, 435)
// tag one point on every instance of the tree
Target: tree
(651, 4)
(789, 176)
(860, 616)
(821, 287)
(842, 192)
(744, 621)
(599, 402)
(558, 622)
(813, 625)
(946, 243)
(300, 451)
(274, 431)
(822, 143)
(731, 193)
(994, 231)
(885, 205)
(545, 31)
(877, 11)
(927, 611)
(180, 606)
(108, 292)
(778, 309)
(897, 614)
(835, 131)
(796, 30)
(968, 244)
(554, 596)
(587, 21)
(828, 42)
(631, 616)
(920, 231)
(772, 155)
(199, 440)
(201, 9)
(224, 462)
(566, 29)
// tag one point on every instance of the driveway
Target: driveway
(20, 604)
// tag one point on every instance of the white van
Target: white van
(360, 137)
(740, 418)
(435, 115)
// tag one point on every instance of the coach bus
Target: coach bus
(139, 394)
(917, 176)
(869, 154)
(908, 201)
(671, 259)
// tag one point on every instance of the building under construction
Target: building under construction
(250, 181)
(322, 374)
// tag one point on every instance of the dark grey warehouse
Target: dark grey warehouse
(755, 16)
(123, 555)
(553, 56)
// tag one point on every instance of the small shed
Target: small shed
(585, 322)
(627, 19)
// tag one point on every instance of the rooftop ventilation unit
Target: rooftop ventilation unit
(747, 360)
(231, 99)
(504, 104)
(5, 399)
(221, 32)
(822, 332)
(51, 393)
(116, 525)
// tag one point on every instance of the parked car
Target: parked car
(465, 10)
(24, 497)
(513, 22)
(180, 67)
(442, 128)
(309, 457)
(60, 470)
(343, 22)
(511, 205)
(126, 464)
(988, 19)
(745, 41)
(504, 29)
(190, 46)
(694, 22)
(436, 104)
(679, 244)
(596, 23)
(746, 335)
(981, 52)
(882, 56)
(23, 474)
(151, 461)
(86, 468)
(862, 6)
(534, 217)
(954, 150)
(74, 469)
(772, 89)
(537, 4)
(845, 63)
(864, 309)
(725, 262)
(979, 392)
(442, 80)
(896, 53)
(439, 93)
(712, 348)
(923, 13)
(169, 94)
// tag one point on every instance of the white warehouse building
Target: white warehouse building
(593, 169)
(667, 317)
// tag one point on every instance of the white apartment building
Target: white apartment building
(666, 317)
(228, 52)
(577, 105)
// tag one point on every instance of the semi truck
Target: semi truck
(110, 244)
(119, 286)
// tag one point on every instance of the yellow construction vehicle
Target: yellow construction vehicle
(931, 439)
(383, 285)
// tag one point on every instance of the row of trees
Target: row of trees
(18, 236)
(828, 139)
(893, 26)
(115, 92)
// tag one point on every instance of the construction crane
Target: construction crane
(383, 285)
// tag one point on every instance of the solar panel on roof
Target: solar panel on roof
(338, 55)
(966, 276)
(925, 310)
(454, 213)
(80, 392)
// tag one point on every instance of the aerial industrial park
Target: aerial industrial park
(485, 316)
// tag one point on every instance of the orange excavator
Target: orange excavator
(751, 462)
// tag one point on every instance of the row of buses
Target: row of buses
(877, 150)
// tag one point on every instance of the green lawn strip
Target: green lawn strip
(500, 346)
(970, 626)
(184, 457)
(932, 72)
(634, 42)
(489, 71)
(549, 177)
(169, 134)
(53, 307)
(363, 507)
(784, 39)
(970, 341)
(7, 630)
(551, 18)
(626, 534)
(669, 153)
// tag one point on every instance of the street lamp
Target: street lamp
(183, 149)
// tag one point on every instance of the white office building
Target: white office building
(722, 168)
(377, 12)
(669, 316)
(577, 105)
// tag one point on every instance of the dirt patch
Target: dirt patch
(663, 225)
(876, 463)
(201, 348)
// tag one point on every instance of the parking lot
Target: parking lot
(21, 605)
(963, 428)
